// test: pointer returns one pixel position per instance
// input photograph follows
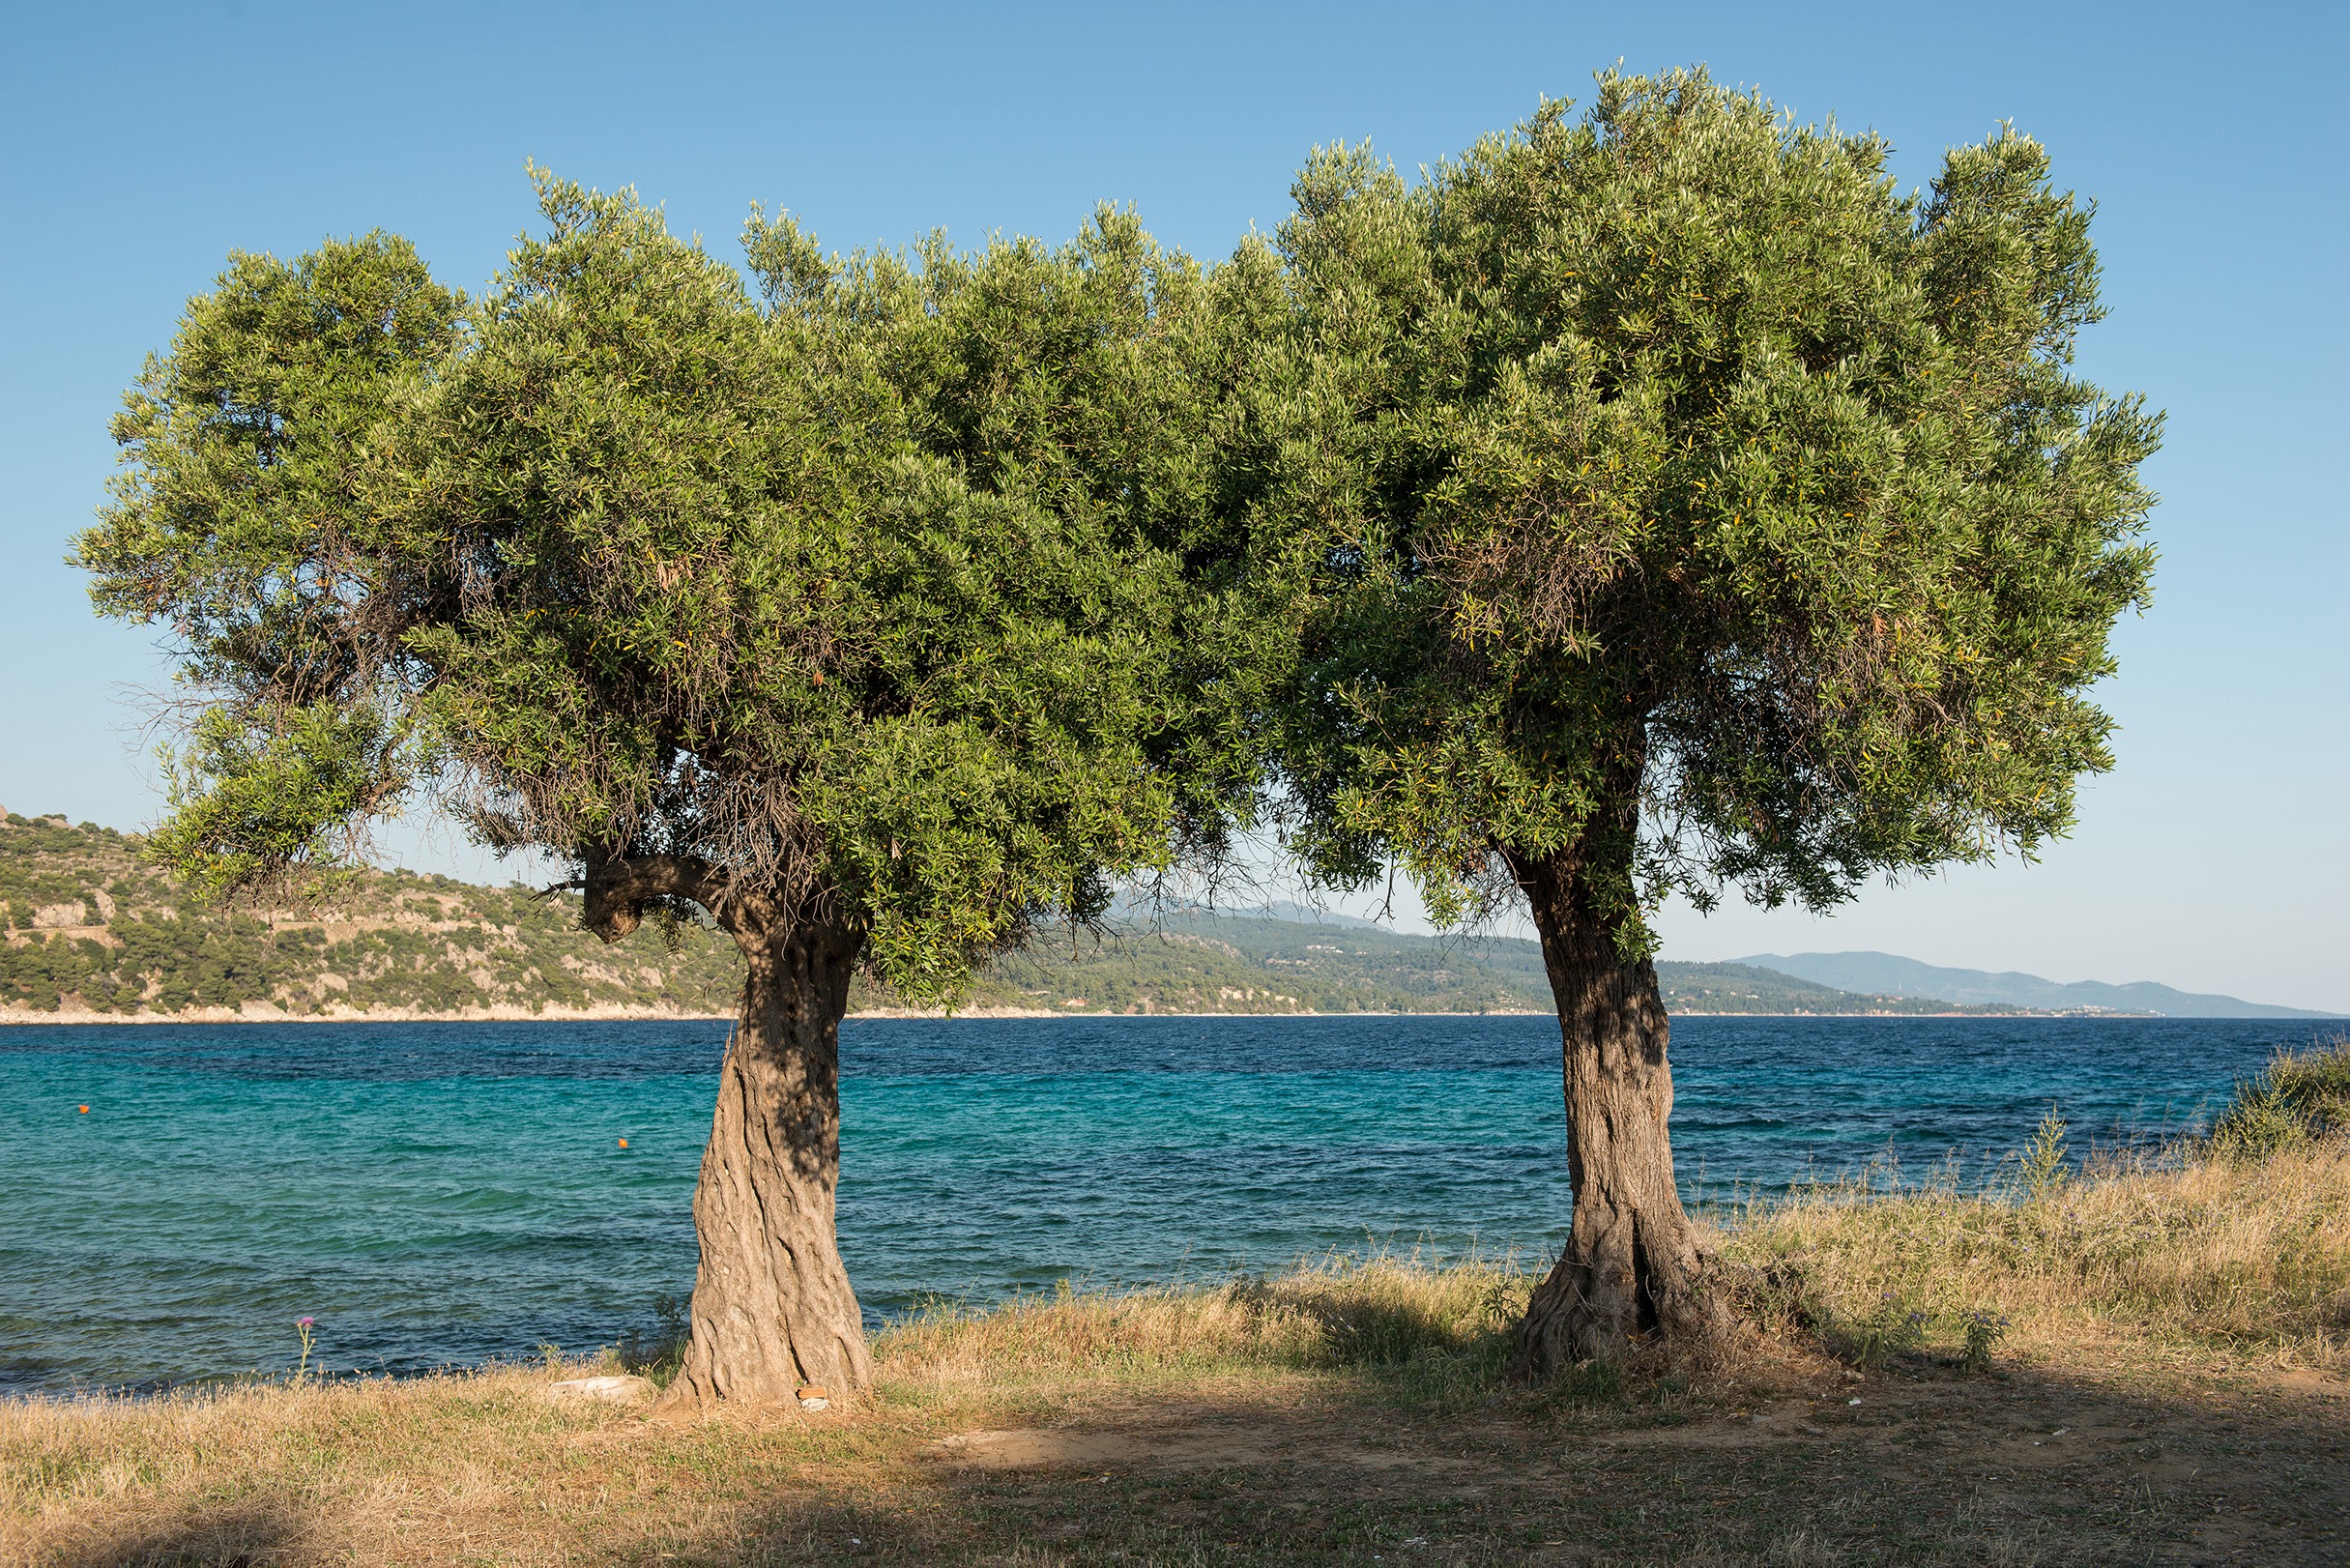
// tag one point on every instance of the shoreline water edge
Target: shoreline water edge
(262, 1013)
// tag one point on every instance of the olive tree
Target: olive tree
(1688, 509)
(871, 613)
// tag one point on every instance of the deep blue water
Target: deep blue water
(437, 1193)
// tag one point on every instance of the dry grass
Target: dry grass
(2241, 1243)
(2246, 1255)
(2168, 1392)
(1440, 1332)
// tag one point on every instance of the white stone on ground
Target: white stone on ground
(620, 1390)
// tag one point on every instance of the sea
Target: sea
(439, 1195)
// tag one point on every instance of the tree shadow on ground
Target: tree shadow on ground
(2020, 1466)
(1928, 1466)
(248, 1533)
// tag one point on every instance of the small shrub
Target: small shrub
(2042, 1168)
(1984, 1333)
(1891, 1327)
(1506, 1302)
(660, 1354)
(2299, 1099)
(2258, 1122)
(2317, 1084)
(1774, 1297)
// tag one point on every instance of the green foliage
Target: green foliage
(901, 598)
(239, 518)
(251, 802)
(1983, 1329)
(659, 1356)
(239, 521)
(2299, 1099)
(2040, 1167)
(1661, 489)
(1887, 1328)
(1680, 497)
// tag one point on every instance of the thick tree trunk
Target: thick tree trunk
(1632, 1268)
(773, 1310)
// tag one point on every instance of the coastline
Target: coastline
(511, 1013)
(262, 1012)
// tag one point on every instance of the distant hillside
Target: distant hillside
(1254, 963)
(1907, 978)
(1740, 987)
(87, 930)
(1196, 962)
(90, 929)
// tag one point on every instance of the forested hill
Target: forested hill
(1240, 963)
(89, 929)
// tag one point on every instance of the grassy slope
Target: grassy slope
(87, 927)
(2168, 1387)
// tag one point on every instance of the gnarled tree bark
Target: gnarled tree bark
(772, 1309)
(1632, 1266)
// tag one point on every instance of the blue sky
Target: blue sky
(143, 143)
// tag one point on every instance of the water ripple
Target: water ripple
(443, 1193)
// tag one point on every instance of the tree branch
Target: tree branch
(619, 887)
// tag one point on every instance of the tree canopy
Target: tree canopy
(1679, 481)
(890, 589)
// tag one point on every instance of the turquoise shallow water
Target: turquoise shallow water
(438, 1193)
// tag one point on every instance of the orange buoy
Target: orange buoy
(83, 1109)
(624, 1142)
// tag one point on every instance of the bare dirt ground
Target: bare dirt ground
(2026, 1467)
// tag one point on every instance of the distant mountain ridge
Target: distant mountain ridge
(1893, 975)
(1265, 961)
